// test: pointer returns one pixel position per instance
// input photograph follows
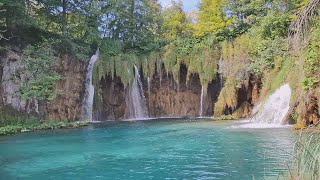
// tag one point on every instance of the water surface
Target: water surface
(153, 149)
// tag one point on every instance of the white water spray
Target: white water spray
(201, 102)
(272, 113)
(137, 104)
(89, 89)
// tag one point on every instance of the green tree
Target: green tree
(2, 23)
(39, 71)
(212, 18)
(175, 22)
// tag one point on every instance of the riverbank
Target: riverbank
(20, 128)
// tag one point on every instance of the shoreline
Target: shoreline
(15, 129)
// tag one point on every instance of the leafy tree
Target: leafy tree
(40, 75)
(175, 22)
(212, 18)
(2, 23)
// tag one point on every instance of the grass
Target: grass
(10, 124)
(305, 163)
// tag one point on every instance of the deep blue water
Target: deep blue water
(157, 149)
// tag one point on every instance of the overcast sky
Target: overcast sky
(187, 4)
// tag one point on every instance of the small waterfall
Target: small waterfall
(89, 89)
(220, 70)
(149, 92)
(137, 99)
(274, 110)
(201, 102)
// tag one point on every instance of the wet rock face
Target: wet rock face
(67, 105)
(113, 99)
(310, 115)
(170, 99)
(166, 99)
(70, 89)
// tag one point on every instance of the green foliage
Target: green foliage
(306, 157)
(40, 75)
(312, 61)
(227, 98)
(199, 56)
(3, 25)
(175, 22)
(211, 18)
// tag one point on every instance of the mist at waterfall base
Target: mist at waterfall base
(89, 89)
(272, 113)
(157, 149)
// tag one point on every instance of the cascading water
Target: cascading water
(89, 89)
(201, 102)
(220, 70)
(274, 110)
(137, 104)
(149, 92)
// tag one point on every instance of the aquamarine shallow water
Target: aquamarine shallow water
(158, 149)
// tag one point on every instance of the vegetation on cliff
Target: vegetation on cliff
(246, 37)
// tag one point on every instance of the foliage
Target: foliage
(211, 18)
(312, 61)
(199, 56)
(2, 23)
(40, 75)
(227, 98)
(12, 129)
(306, 157)
(175, 22)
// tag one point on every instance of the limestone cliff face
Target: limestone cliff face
(170, 99)
(167, 98)
(113, 104)
(67, 105)
(11, 79)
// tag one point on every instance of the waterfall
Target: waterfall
(137, 104)
(201, 102)
(220, 70)
(149, 92)
(274, 110)
(89, 89)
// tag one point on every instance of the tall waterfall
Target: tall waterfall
(274, 110)
(89, 89)
(137, 104)
(201, 102)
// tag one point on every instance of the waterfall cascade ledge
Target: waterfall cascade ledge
(271, 114)
(89, 90)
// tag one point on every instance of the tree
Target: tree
(132, 22)
(2, 23)
(40, 75)
(212, 18)
(175, 22)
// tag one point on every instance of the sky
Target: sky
(187, 4)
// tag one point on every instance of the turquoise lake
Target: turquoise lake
(153, 149)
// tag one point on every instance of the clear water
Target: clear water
(155, 149)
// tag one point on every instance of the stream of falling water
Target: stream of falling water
(137, 104)
(273, 111)
(220, 70)
(201, 102)
(89, 90)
